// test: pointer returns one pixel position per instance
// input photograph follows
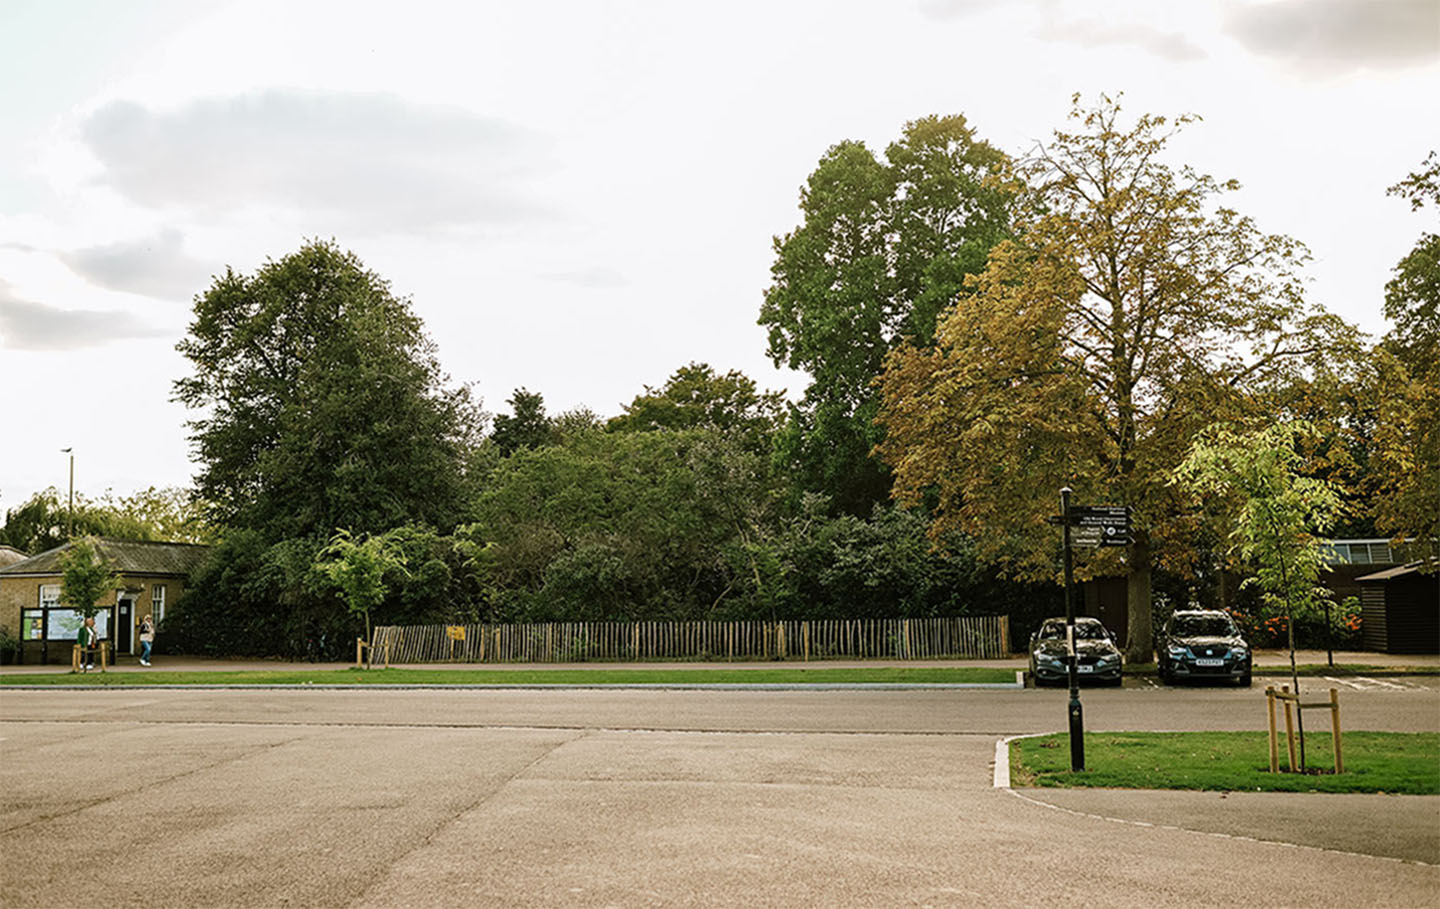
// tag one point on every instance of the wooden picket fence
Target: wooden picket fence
(578, 642)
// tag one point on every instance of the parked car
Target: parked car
(1202, 644)
(1097, 658)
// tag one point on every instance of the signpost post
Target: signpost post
(1094, 526)
(1077, 714)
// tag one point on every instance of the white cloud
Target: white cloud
(155, 266)
(372, 161)
(1336, 36)
(1171, 46)
(36, 326)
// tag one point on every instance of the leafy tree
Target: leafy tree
(883, 247)
(577, 421)
(1129, 311)
(357, 566)
(1278, 515)
(1407, 462)
(42, 522)
(696, 397)
(323, 404)
(526, 426)
(614, 526)
(85, 576)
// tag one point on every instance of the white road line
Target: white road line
(1345, 682)
(1380, 682)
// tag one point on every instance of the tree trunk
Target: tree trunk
(1139, 639)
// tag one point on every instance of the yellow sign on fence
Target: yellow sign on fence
(455, 632)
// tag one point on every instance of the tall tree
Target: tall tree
(882, 248)
(1407, 461)
(1129, 311)
(323, 404)
(526, 426)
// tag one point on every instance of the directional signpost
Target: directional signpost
(1090, 526)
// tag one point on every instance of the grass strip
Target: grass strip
(1406, 763)
(530, 677)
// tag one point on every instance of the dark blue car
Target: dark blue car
(1202, 644)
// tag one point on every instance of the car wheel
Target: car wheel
(1245, 680)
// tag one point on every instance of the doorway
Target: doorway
(124, 622)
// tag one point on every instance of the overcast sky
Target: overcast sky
(580, 197)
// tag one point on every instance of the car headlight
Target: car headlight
(1175, 651)
(1239, 653)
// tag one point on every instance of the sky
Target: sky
(578, 197)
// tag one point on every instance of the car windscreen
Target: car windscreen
(1084, 631)
(1208, 626)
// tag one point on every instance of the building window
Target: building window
(49, 596)
(157, 603)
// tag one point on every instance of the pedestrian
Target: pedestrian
(147, 640)
(88, 640)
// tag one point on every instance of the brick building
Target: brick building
(152, 576)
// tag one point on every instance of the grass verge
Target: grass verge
(1392, 762)
(528, 677)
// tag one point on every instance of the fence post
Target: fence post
(1335, 728)
(1274, 745)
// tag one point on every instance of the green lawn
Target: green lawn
(851, 676)
(1393, 762)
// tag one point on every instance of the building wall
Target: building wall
(17, 594)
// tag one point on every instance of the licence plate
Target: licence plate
(1084, 669)
(1209, 662)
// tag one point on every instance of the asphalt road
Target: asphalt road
(364, 798)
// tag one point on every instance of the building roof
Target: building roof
(9, 555)
(1396, 572)
(130, 557)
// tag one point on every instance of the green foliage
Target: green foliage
(1130, 309)
(695, 397)
(1407, 459)
(323, 403)
(612, 526)
(1277, 515)
(41, 522)
(85, 576)
(358, 566)
(883, 247)
(525, 427)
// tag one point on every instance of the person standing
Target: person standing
(88, 641)
(147, 640)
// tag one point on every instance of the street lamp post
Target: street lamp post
(70, 516)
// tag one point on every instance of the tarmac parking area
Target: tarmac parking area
(586, 797)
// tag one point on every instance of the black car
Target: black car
(1202, 644)
(1097, 658)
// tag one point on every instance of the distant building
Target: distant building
(1400, 609)
(152, 578)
